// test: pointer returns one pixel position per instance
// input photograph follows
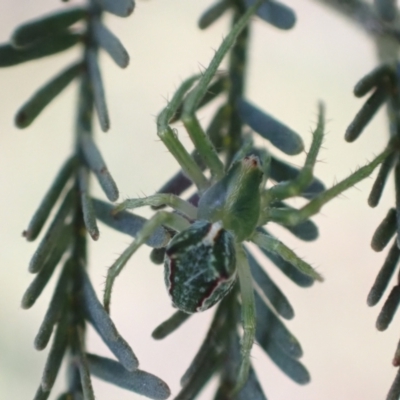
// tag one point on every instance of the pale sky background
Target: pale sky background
(320, 59)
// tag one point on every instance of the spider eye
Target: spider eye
(200, 266)
(252, 161)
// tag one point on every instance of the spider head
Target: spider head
(235, 199)
(200, 266)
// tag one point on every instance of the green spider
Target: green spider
(204, 257)
(206, 254)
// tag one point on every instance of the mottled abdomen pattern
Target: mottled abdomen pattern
(200, 266)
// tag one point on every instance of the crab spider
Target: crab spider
(206, 253)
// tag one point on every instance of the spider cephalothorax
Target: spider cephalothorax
(235, 199)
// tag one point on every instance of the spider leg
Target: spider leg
(273, 245)
(174, 221)
(199, 138)
(201, 141)
(248, 315)
(157, 200)
(171, 141)
(296, 186)
(292, 217)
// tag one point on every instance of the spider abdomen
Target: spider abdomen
(200, 266)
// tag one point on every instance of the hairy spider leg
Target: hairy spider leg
(248, 314)
(274, 245)
(171, 141)
(160, 199)
(201, 141)
(173, 221)
(292, 217)
(295, 187)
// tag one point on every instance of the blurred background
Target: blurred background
(289, 72)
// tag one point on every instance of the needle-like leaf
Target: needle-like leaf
(96, 163)
(122, 8)
(383, 278)
(56, 354)
(89, 214)
(53, 234)
(39, 100)
(170, 325)
(275, 13)
(111, 44)
(56, 306)
(10, 56)
(49, 200)
(49, 25)
(213, 13)
(138, 381)
(98, 89)
(388, 310)
(366, 113)
(380, 181)
(36, 287)
(270, 290)
(128, 223)
(281, 136)
(104, 326)
(385, 231)
(373, 79)
(271, 331)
